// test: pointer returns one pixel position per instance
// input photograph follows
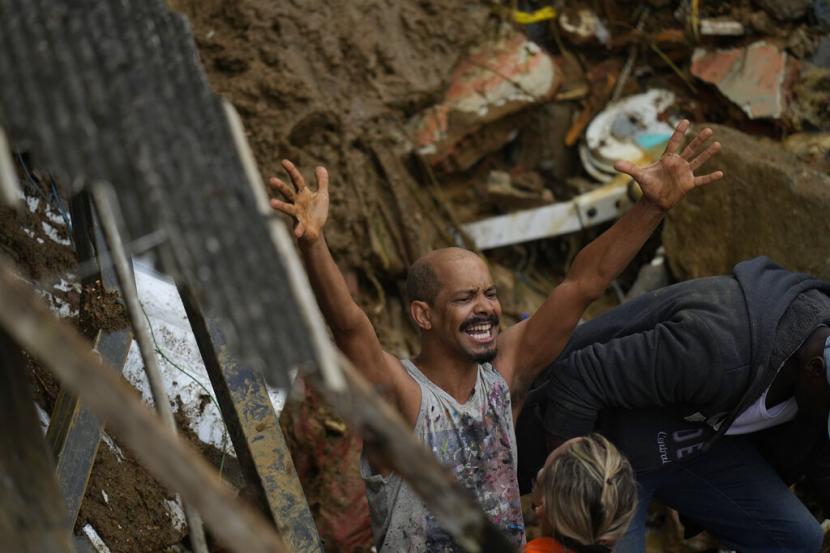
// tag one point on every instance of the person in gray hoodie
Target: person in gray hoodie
(718, 391)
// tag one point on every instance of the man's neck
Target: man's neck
(455, 376)
(783, 386)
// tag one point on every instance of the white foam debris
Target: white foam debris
(53, 234)
(96, 540)
(119, 455)
(32, 203)
(67, 286)
(56, 217)
(174, 509)
(105, 496)
(185, 377)
(43, 417)
(62, 308)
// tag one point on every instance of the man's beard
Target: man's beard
(485, 357)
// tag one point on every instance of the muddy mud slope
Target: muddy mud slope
(322, 82)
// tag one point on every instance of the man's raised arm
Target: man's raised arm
(352, 330)
(531, 345)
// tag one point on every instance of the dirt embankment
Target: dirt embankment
(332, 83)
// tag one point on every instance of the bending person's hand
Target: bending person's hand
(668, 179)
(310, 209)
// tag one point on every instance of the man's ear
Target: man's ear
(815, 368)
(421, 313)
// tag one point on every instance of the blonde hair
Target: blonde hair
(588, 492)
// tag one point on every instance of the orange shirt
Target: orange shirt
(544, 545)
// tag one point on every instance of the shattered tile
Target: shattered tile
(494, 80)
(755, 77)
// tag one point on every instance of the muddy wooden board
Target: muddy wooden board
(74, 431)
(32, 514)
(257, 438)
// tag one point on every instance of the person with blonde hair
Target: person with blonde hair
(585, 497)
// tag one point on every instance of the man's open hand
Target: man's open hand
(310, 209)
(668, 179)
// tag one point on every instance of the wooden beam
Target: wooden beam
(74, 431)
(32, 515)
(10, 192)
(61, 349)
(255, 431)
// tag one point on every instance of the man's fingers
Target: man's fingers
(299, 230)
(704, 157)
(296, 176)
(677, 137)
(279, 205)
(322, 178)
(706, 179)
(628, 168)
(282, 188)
(691, 149)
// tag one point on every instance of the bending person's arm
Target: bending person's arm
(352, 330)
(528, 347)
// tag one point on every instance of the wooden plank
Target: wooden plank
(10, 192)
(61, 349)
(254, 429)
(74, 431)
(32, 514)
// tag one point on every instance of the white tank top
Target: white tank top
(477, 442)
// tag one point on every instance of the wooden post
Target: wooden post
(254, 429)
(32, 515)
(61, 349)
(74, 431)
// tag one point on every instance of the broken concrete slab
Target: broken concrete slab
(756, 77)
(769, 203)
(494, 80)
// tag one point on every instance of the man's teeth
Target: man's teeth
(480, 331)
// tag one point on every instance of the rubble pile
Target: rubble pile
(433, 117)
(490, 125)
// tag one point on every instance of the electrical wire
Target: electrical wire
(175, 365)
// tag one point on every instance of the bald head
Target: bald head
(423, 280)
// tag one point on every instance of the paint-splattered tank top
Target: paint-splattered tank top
(477, 441)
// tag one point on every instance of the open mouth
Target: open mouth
(481, 331)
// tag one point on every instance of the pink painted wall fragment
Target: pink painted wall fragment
(494, 80)
(755, 77)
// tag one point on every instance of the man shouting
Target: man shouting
(456, 392)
